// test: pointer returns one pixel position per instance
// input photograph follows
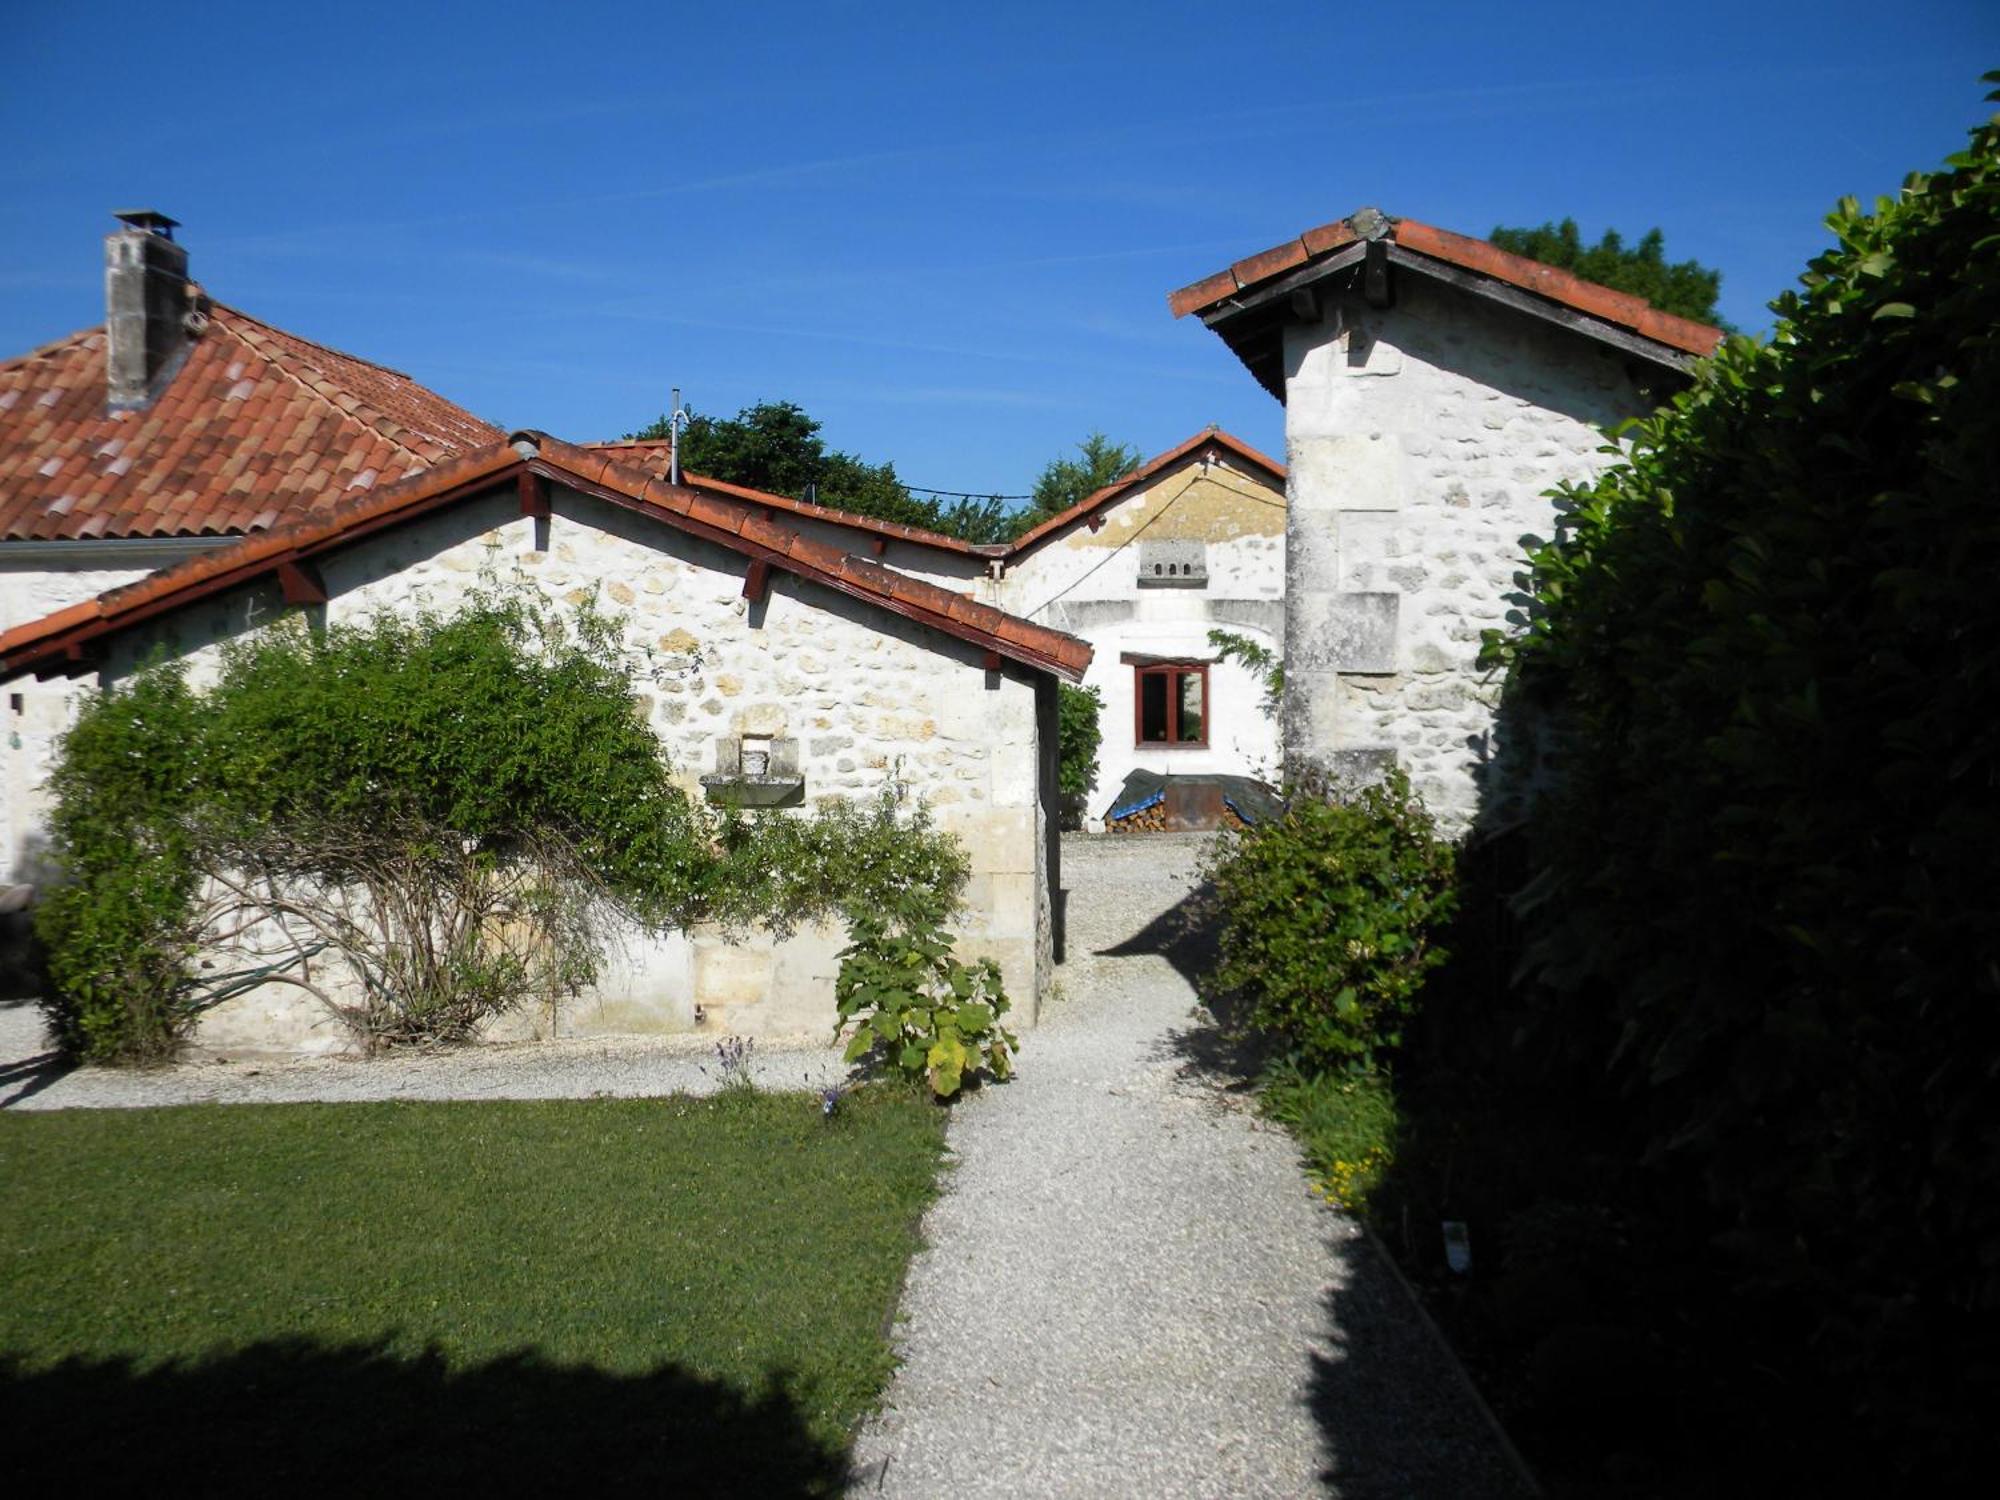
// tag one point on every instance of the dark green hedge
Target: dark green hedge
(1766, 919)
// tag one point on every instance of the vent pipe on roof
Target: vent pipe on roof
(674, 425)
(150, 307)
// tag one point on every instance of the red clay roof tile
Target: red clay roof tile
(1619, 308)
(353, 513)
(654, 457)
(198, 460)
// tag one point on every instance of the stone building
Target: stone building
(1193, 540)
(744, 640)
(1435, 389)
(175, 427)
(264, 475)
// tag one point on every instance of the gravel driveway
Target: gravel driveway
(1128, 1289)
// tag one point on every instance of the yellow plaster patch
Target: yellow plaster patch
(1189, 506)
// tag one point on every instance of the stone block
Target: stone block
(1347, 471)
(1360, 765)
(1350, 631)
(1366, 541)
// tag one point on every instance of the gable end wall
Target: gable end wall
(1421, 440)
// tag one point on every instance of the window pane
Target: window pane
(1191, 708)
(1153, 706)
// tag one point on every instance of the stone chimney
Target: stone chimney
(149, 308)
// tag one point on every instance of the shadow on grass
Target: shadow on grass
(303, 1418)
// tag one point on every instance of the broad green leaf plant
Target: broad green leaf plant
(915, 1007)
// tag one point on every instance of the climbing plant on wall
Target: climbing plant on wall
(422, 821)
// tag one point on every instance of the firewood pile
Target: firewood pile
(1154, 820)
(1147, 820)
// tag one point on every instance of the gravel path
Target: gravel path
(620, 1067)
(1128, 1289)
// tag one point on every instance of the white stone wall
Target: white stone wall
(1087, 583)
(37, 713)
(873, 700)
(1421, 441)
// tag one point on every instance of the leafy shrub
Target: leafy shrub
(120, 933)
(1327, 917)
(1764, 914)
(842, 860)
(914, 1005)
(1078, 734)
(422, 822)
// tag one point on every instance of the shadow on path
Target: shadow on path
(295, 1417)
(1394, 1410)
(24, 1077)
(1214, 1047)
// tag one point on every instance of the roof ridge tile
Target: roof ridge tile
(1479, 256)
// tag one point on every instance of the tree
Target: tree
(1685, 288)
(1078, 736)
(776, 446)
(1065, 481)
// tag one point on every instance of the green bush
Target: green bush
(1078, 735)
(1763, 922)
(1327, 917)
(914, 1005)
(119, 930)
(842, 860)
(423, 822)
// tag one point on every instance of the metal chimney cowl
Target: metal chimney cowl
(146, 306)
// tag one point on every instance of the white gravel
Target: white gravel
(1129, 1290)
(621, 1067)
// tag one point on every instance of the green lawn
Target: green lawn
(684, 1296)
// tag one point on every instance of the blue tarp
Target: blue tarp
(1250, 799)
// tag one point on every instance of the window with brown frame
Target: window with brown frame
(1170, 704)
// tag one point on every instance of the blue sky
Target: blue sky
(946, 230)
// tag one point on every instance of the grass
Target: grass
(1346, 1122)
(679, 1292)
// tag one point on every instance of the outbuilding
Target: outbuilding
(1436, 388)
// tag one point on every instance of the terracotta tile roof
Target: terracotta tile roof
(257, 426)
(1408, 235)
(653, 456)
(64, 641)
(1214, 437)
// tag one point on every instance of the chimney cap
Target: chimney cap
(149, 219)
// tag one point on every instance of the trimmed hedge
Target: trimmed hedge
(1765, 917)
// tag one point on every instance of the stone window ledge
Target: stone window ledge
(755, 791)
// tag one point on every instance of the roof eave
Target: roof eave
(66, 642)
(1251, 320)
